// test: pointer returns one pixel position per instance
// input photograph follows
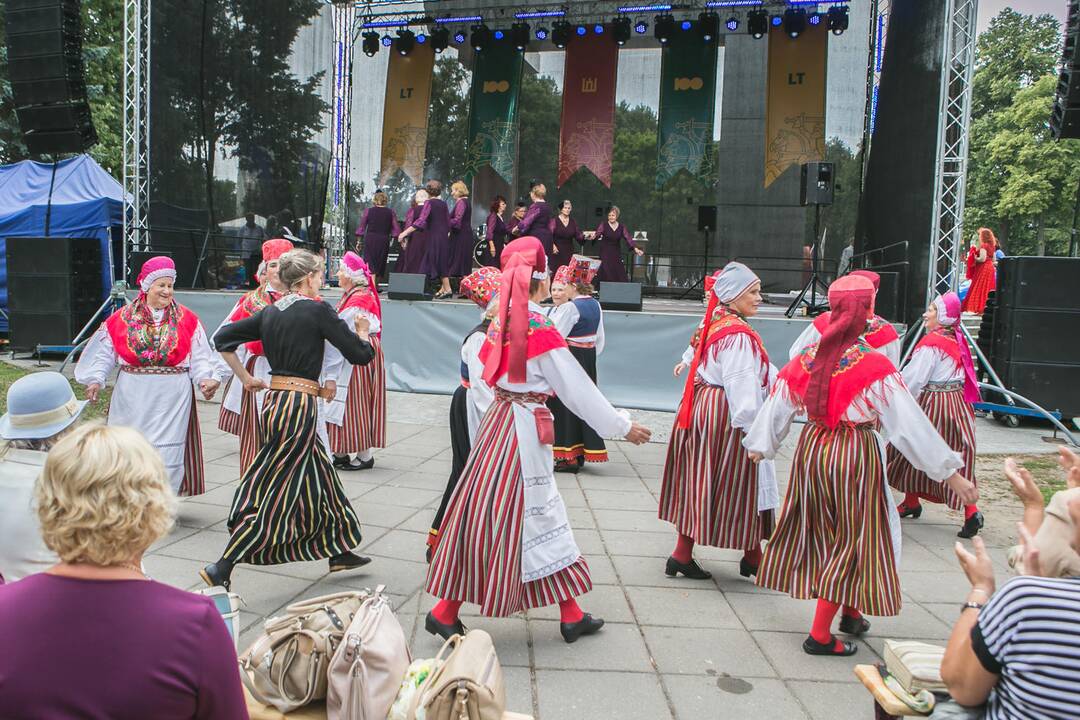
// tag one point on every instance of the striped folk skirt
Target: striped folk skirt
(710, 486)
(832, 540)
(290, 505)
(364, 425)
(955, 420)
(194, 482)
(478, 559)
(245, 423)
(460, 446)
(575, 441)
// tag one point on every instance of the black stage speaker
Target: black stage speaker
(1065, 117)
(816, 187)
(408, 286)
(706, 218)
(44, 42)
(54, 288)
(620, 296)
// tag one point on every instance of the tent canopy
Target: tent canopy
(86, 202)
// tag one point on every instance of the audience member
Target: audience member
(1049, 526)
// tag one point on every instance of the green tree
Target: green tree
(539, 118)
(448, 119)
(11, 144)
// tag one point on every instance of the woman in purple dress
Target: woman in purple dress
(564, 233)
(377, 225)
(610, 234)
(537, 220)
(462, 238)
(413, 249)
(435, 219)
(497, 232)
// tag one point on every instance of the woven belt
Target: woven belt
(845, 425)
(298, 384)
(581, 344)
(154, 369)
(520, 398)
(943, 387)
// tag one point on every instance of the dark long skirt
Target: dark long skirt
(575, 441)
(412, 260)
(460, 445)
(376, 248)
(290, 505)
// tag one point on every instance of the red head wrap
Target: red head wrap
(520, 260)
(869, 275)
(273, 249)
(851, 299)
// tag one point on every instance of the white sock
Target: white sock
(365, 455)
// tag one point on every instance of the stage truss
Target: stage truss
(136, 138)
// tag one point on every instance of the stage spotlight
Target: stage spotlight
(440, 39)
(814, 19)
(837, 19)
(542, 33)
(421, 38)
(620, 28)
(519, 35)
(499, 34)
(560, 34)
(794, 22)
(708, 26)
(776, 20)
(459, 37)
(581, 30)
(732, 23)
(370, 43)
(598, 29)
(387, 41)
(641, 27)
(480, 36)
(757, 23)
(405, 41)
(685, 25)
(664, 28)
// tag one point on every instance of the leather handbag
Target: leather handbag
(468, 685)
(287, 665)
(366, 671)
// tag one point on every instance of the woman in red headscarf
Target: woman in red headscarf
(712, 493)
(162, 350)
(240, 407)
(506, 542)
(941, 375)
(838, 536)
(982, 276)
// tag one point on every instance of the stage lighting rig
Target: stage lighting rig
(440, 39)
(581, 30)
(370, 43)
(708, 26)
(641, 27)
(406, 40)
(794, 22)
(459, 37)
(814, 19)
(757, 23)
(837, 19)
(480, 36)
(560, 34)
(542, 33)
(620, 28)
(387, 41)
(499, 34)
(519, 35)
(663, 28)
(732, 23)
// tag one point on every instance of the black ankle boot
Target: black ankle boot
(218, 573)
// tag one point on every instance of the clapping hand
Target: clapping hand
(1032, 563)
(679, 369)
(1070, 463)
(978, 567)
(1023, 484)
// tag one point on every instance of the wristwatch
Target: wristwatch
(971, 605)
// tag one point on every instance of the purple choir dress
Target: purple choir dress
(435, 219)
(536, 223)
(412, 255)
(564, 237)
(462, 239)
(498, 233)
(377, 226)
(611, 262)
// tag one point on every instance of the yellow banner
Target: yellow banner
(405, 122)
(795, 108)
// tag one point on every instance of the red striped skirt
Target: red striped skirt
(245, 423)
(832, 540)
(194, 482)
(365, 408)
(478, 559)
(710, 484)
(954, 418)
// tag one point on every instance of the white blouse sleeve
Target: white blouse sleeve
(905, 426)
(222, 368)
(332, 363)
(565, 317)
(739, 372)
(688, 355)
(97, 360)
(772, 423)
(893, 350)
(600, 335)
(480, 393)
(919, 370)
(578, 393)
(203, 360)
(808, 337)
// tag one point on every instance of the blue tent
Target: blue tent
(86, 202)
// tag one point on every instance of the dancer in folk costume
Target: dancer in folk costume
(879, 334)
(712, 493)
(983, 274)
(941, 376)
(838, 537)
(356, 418)
(162, 352)
(290, 505)
(241, 408)
(473, 396)
(581, 321)
(506, 542)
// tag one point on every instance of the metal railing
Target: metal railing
(681, 275)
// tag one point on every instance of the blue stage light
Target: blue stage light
(541, 33)
(581, 30)
(459, 37)
(777, 21)
(499, 34)
(387, 41)
(598, 29)
(641, 27)
(732, 24)
(814, 19)
(421, 38)
(686, 25)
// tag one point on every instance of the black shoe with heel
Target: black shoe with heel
(972, 526)
(811, 646)
(689, 570)
(854, 625)
(435, 627)
(217, 574)
(746, 569)
(585, 626)
(911, 512)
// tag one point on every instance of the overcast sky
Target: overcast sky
(989, 8)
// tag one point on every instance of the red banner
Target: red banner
(587, 137)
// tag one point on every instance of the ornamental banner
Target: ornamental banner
(587, 136)
(405, 121)
(687, 103)
(795, 105)
(493, 131)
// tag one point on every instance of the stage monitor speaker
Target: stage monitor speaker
(706, 218)
(408, 286)
(816, 187)
(1038, 283)
(1050, 385)
(1028, 336)
(620, 296)
(1065, 116)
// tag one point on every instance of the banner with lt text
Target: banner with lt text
(687, 101)
(493, 130)
(587, 135)
(405, 121)
(795, 105)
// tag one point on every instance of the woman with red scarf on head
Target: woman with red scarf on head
(983, 277)
(356, 418)
(838, 537)
(505, 542)
(162, 350)
(240, 407)
(941, 375)
(712, 493)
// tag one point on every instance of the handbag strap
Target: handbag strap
(451, 644)
(318, 644)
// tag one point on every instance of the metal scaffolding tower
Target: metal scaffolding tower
(136, 126)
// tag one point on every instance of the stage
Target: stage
(421, 341)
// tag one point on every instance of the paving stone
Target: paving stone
(179, 532)
(198, 515)
(572, 496)
(649, 571)
(380, 514)
(266, 593)
(650, 544)
(519, 692)
(935, 586)
(423, 481)
(719, 697)
(619, 483)
(178, 572)
(204, 545)
(408, 497)
(398, 544)
(622, 500)
(222, 496)
(216, 474)
(632, 520)
(390, 459)
(834, 701)
(601, 570)
(682, 607)
(784, 651)
(509, 634)
(567, 695)
(618, 646)
(603, 601)
(772, 612)
(581, 517)
(706, 651)
(913, 622)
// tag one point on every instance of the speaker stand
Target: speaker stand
(813, 307)
(706, 244)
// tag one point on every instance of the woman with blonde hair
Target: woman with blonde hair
(413, 249)
(462, 237)
(537, 220)
(377, 225)
(122, 645)
(434, 218)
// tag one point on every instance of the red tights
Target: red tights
(446, 611)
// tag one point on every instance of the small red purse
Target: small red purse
(545, 425)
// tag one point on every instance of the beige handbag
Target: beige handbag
(287, 666)
(468, 685)
(366, 671)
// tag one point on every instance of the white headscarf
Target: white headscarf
(733, 281)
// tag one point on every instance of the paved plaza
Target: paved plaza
(672, 648)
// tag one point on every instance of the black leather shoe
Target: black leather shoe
(746, 569)
(971, 526)
(811, 646)
(347, 561)
(213, 575)
(585, 626)
(567, 466)
(912, 512)
(690, 570)
(854, 625)
(348, 465)
(435, 627)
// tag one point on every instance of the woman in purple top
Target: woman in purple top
(537, 220)
(610, 235)
(497, 232)
(377, 225)
(93, 637)
(435, 219)
(413, 250)
(462, 238)
(564, 233)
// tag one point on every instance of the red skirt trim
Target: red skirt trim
(365, 408)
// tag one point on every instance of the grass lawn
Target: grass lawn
(10, 373)
(1044, 468)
